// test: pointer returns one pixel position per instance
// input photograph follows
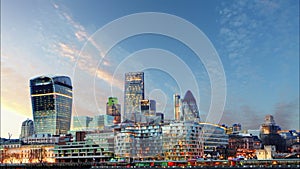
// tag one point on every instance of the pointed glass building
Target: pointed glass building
(190, 110)
(51, 98)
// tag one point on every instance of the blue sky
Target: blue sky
(257, 42)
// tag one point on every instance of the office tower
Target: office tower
(190, 110)
(133, 94)
(27, 129)
(114, 109)
(81, 123)
(51, 98)
(148, 110)
(177, 107)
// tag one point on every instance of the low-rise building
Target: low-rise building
(47, 139)
(213, 137)
(82, 151)
(138, 141)
(104, 138)
(181, 141)
(266, 154)
(27, 154)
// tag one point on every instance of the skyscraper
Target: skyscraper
(51, 98)
(177, 107)
(114, 109)
(27, 129)
(190, 110)
(148, 110)
(133, 94)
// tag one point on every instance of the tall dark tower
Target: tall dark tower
(133, 94)
(51, 99)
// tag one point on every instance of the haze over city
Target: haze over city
(257, 42)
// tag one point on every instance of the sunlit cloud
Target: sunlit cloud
(86, 61)
(81, 35)
(68, 51)
(109, 78)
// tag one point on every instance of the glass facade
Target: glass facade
(148, 110)
(134, 93)
(98, 122)
(51, 99)
(101, 122)
(212, 137)
(181, 141)
(81, 123)
(190, 110)
(138, 141)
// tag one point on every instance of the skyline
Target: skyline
(257, 44)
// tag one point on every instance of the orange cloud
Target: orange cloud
(68, 51)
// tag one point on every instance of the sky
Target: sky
(256, 43)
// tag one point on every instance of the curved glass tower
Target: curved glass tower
(190, 110)
(51, 99)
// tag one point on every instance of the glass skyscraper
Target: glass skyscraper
(51, 98)
(190, 110)
(81, 123)
(148, 110)
(133, 94)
